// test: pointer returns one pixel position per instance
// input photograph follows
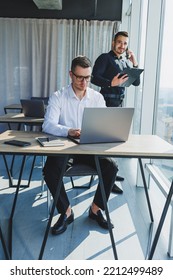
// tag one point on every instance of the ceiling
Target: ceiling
(71, 9)
(49, 4)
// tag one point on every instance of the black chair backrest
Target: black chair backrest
(45, 99)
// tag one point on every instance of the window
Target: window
(164, 108)
(138, 99)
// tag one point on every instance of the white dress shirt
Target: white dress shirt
(65, 110)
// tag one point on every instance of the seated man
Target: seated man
(63, 117)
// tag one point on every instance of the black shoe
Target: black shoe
(61, 225)
(99, 219)
(119, 179)
(116, 189)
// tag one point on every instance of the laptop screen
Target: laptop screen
(33, 108)
(105, 125)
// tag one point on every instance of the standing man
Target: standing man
(106, 74)
(64, 117)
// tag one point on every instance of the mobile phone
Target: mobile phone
(127, 53)
(17, 143)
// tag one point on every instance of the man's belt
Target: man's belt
(115, 96)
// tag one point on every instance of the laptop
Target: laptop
(33, 108)
(105, 125)
(133, 74)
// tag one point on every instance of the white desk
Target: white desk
(138, 146)
(19, 118)
(15, 107)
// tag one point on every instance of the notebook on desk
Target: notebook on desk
(33, 108)
(50, 141)
(105, 125)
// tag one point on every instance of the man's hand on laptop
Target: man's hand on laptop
(74, 132)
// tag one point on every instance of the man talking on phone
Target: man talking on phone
(106, 74)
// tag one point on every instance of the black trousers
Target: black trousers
(113, 98)
(113, 102)
(52, 169)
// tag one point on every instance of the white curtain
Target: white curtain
(36, 54)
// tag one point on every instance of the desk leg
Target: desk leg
(13, 208)
(146, 189)
(9, 172)
(161, 222)
(8, 252)
(12, 164)
(31, 171)
(105, 205)
(4, 245)
(53, 207)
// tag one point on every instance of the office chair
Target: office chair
(44, 99)
(80, 170)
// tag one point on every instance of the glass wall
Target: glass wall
(138, 99)
(164, 108)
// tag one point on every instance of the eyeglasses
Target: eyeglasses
(82, 78)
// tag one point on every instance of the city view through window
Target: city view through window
(164, 123)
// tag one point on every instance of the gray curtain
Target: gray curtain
(36, 54)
